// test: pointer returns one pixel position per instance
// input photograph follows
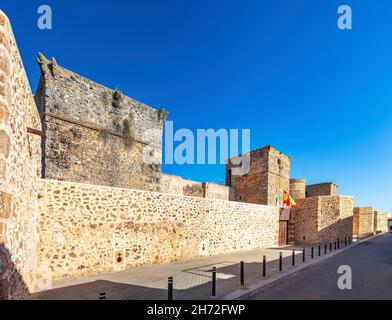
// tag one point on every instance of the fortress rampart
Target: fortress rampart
(86, 229)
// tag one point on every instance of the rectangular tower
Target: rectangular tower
(268, 176)
(96, 135)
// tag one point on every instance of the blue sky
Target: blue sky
(281, 68)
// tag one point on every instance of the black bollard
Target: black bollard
(213, 291)
(293, 258)
(280, 261)
(338, 243)
(325, 248)
(264, 265)
(242, 273)
(312, 253)
(319, 252)
(345, 241)
(102, 296)
(170, 288)
(303, 255)
(335, 246)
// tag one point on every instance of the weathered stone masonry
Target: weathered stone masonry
(381, 221)
(19, 172)
(322, 189)
(84, 229)
(268, 177)
(96, 135)
(179, 186)
(323, 219)
(363, 221)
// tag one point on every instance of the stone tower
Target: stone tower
(298, 188)
(96, 135)
(268, 177)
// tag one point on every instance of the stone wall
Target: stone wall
(268, 177)
(87, 229)
(298, 188)
(322, 189)
(176, 185)
(323, 219)
(97, 135)
(216, 191)
(19, 172)
(363, 221)
(381, 221)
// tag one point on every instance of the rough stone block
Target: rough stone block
(3, 170)
(3, 20)
(2, 233)
(4, 143)
(3, 113)
(4, 66)
(5, 205)
(3, 40)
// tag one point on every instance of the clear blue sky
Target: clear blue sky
(281, 68)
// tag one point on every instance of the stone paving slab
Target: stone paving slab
(192, 278)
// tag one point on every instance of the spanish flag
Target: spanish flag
(288, 200)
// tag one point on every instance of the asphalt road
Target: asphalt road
(371, 266)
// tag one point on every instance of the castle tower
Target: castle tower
(298, 188)
(96, 135)
(268, 176)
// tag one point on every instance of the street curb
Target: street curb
(270, 281)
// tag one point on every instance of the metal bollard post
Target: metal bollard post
(345, 241)
(264, 265)
(338, 243)
(102, 296)
(170, 288)
(319, 252)
(213, 293)
(312, 252)
(335, 246)
(242, 273)
(293, 258)
(280, 261)
(303, 255)
(325, 248)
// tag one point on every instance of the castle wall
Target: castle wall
(323, 219)
(216, 191)
(322, 189)
(363, 221)
(381, 221)
(176, 185)
(20, 157)
(85, 228)
(306, 220)
(97, 135)
(80, 154)
(346, 217)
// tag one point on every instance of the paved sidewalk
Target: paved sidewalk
(192, 278)
(370, 263)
